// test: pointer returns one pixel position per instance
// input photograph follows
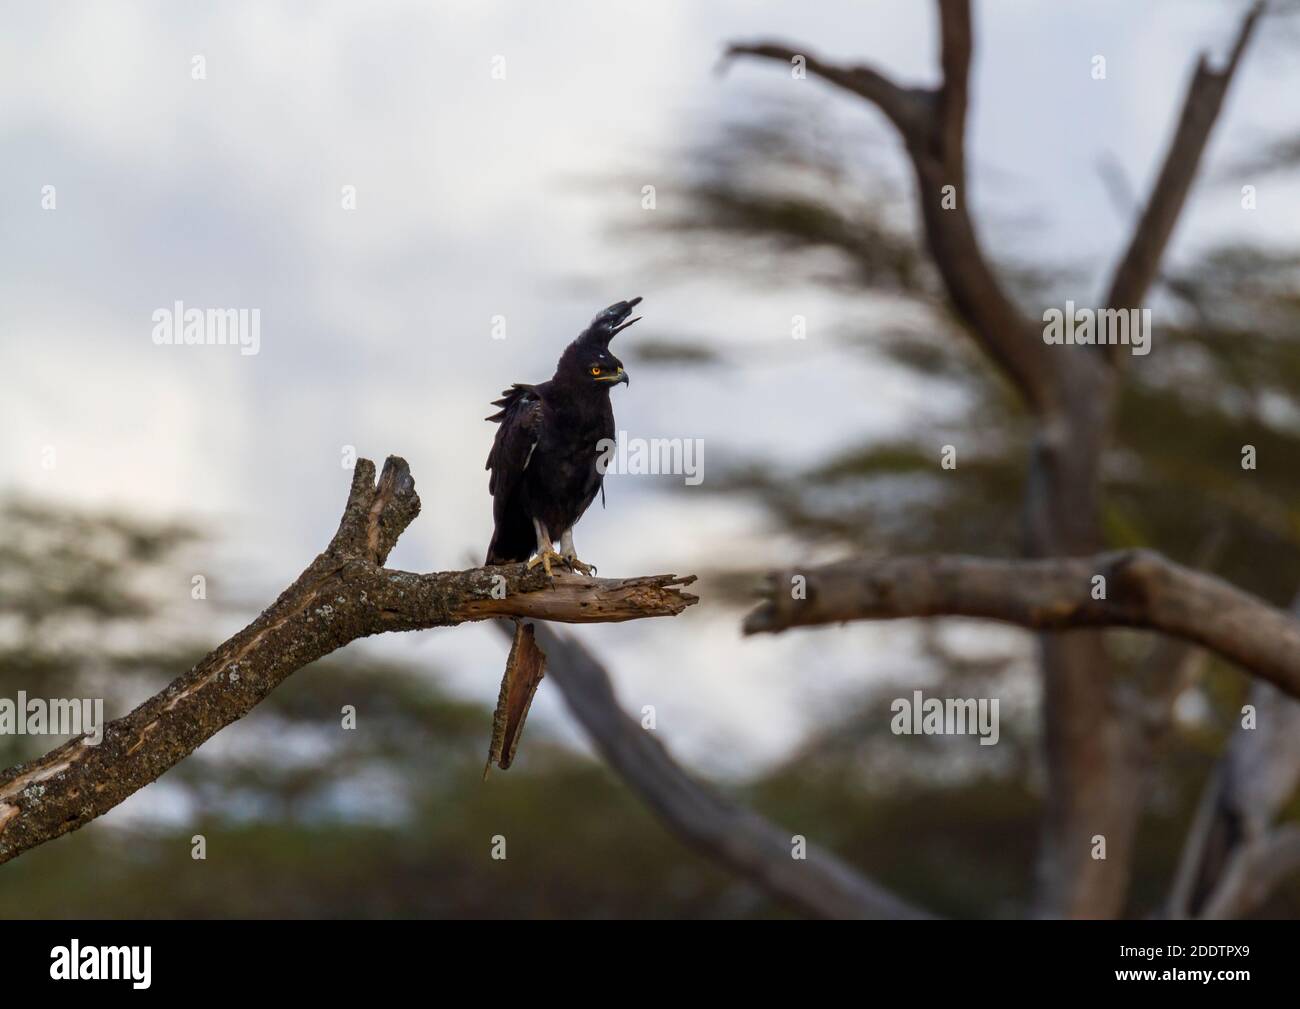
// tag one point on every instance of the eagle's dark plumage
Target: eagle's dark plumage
(544, 475)
(543, 461)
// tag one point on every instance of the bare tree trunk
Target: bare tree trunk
(1092, 754)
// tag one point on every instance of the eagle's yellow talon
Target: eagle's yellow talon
(577, 565)
(544, 558)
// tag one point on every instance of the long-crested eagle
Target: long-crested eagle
(545, 473)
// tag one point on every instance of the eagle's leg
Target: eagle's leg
(545, 552)
(570, 555)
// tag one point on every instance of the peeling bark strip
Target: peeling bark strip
(344, 594)
(525, 667)
(1143, 590)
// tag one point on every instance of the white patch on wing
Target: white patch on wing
(529, 458)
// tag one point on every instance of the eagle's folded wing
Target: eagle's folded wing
(521, 417)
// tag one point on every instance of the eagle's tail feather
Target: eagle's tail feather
(513, 541)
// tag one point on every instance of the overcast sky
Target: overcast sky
(479, 197)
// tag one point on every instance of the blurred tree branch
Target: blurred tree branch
(819, 884)
(1142, 589)
(931, 123)
(1234, 854)
(1141, 262)
(346, 593)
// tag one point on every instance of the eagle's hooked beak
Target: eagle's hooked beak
(618, 377)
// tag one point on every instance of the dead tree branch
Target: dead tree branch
(346, 593)
(932, 122)
(1255, 869)
(1235, 854)
(1141, 262)
(1142, 589)
(820, 885)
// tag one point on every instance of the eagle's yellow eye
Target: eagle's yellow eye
(595, 369)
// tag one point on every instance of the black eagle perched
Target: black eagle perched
(544, 457)
(545, 473)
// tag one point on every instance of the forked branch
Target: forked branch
(344, 594)
(932, 124)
